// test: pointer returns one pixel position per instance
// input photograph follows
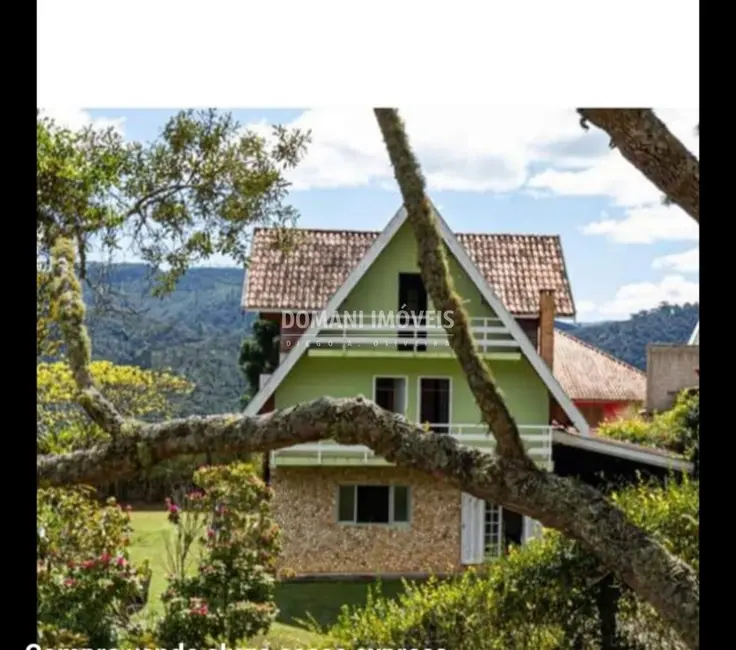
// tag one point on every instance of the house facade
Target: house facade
(355, 319)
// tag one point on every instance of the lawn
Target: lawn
(295, 600)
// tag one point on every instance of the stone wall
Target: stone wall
(305, 506)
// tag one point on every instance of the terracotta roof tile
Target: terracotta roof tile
(588, 373)
(306, 277)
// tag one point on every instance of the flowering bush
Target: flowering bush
(231, 596)
(86, 585)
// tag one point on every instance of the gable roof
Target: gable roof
(588, 373)
(516, 267)
(376, 248)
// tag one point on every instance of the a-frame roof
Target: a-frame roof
(380, 243)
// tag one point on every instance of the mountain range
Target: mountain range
(197, 330)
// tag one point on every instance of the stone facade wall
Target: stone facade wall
(305, 506)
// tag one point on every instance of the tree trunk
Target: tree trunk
(646, 142)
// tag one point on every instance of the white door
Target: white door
(532, 529)
(472, 538)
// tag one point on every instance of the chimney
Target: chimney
(547, 326)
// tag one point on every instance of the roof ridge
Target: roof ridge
(378, 232)
(592, 347)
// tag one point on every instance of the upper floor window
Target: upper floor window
(390, 393)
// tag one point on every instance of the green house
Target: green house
(355, 319)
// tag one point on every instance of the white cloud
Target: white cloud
(646, 224)
(645, 219)
(77, 118)
(479, 149)
(584, 306)
(687, 262)
(632, 298)
(469, 149)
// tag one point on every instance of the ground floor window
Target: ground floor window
(373, 504)
(501, 528)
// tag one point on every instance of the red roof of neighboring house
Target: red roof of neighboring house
(517, 267)
(587, 373)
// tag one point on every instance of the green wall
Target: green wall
(314, 377)
(378, 289)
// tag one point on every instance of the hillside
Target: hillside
(628, 339)
(197, 331)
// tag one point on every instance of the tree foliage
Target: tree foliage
(62, 424)
(259, 354)
(191, 193)
(549, 594)
(676, 430)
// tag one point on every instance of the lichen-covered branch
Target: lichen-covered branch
(646, 142)
(572, 507)
(438, 280)
(68, 305)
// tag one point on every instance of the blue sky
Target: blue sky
(493, 170)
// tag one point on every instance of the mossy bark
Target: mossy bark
(646, 142)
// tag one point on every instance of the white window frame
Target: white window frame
(405, 379)
(391, 509)
(449, 399)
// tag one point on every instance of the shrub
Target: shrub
(86, 584)
(549, 594)
(676, 430)
(231, 597)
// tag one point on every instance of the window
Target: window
(373, 504)
(434, 403)
(390, 393)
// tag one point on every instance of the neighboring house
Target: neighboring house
(672, 368)
(344, 510)
(600, 385)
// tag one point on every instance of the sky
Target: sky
(494, 170)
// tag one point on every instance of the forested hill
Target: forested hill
(628, 339)
(198, 329)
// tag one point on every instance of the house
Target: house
(342, 509)
(672, 368)
(600, 385)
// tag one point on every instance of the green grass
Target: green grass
(296, 600)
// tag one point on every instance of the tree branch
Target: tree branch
(66, 293)
(438, 280)
(646, 142)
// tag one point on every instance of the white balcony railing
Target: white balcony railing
(536, 439)
(376, 332)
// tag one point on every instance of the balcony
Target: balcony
(537, 441)
(361, 336)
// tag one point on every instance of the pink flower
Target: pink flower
(210, 533)
(105, 558)
(88, 564)
(69, 582)
(173, 509)
(121, 561)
